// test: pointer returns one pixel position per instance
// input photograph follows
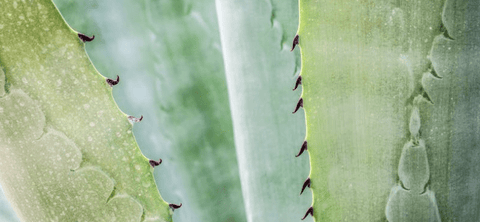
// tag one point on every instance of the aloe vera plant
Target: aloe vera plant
(389, 92)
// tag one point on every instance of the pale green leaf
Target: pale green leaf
(260, 70)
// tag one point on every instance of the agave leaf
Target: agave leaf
(391, 105)
(67, 151)
(168, 56)
(260, 72)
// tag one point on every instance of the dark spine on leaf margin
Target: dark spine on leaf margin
(85, 38)
(299, 104)
(112, 82)
(154, 163)
(303, 148)
(305, 185)
(309, 211)
(175, 206)
(295, 42)
(298, 82)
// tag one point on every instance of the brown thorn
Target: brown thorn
(295, 42)
(85, 38)
(309, 211)
(154, 163)
(112, 82)
(175, 206)
(299, 104)
(134, 119)
(305, 184)
(304, 147)
(298, 82)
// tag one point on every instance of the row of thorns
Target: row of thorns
(113, 82)
(304, 145)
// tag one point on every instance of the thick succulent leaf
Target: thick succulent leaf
(168, 56)
(390, 96)
(260, 72)
(67, 151)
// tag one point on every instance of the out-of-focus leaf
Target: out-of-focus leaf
(260, 70)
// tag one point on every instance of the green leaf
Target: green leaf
(391, 106)
(67, 150)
